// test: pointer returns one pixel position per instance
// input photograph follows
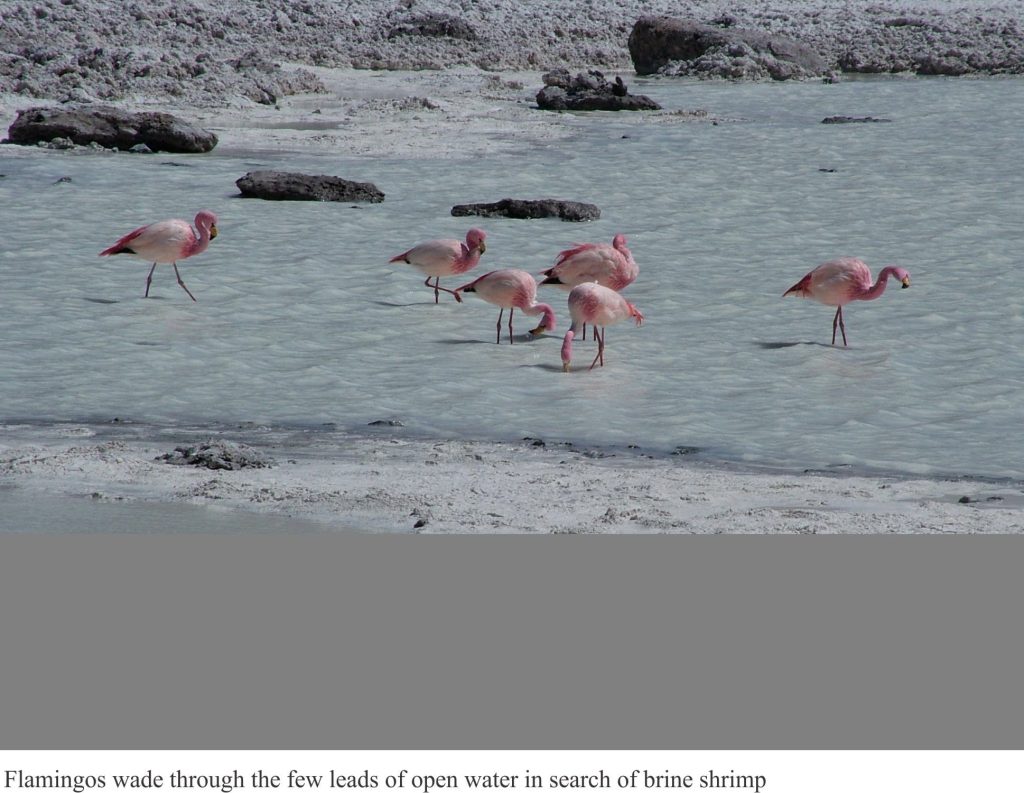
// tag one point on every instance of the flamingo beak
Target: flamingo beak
(213, 232)
(482, 247)
(565, 366)
(906, 282)
(537, 331)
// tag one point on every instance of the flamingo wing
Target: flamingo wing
(122, 245)
(570, 252)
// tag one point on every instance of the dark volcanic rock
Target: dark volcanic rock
(684, 46)
(589, 91)
(289, 186)
(530, 209)
(110, 127)
(218, 455)
(435, 25)
(854, 120)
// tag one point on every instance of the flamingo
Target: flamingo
(445, 257)
(600, 306)
(609, 265)
(512, 289)
(167, 241)
(841, 281)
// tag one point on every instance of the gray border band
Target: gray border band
(377, 642)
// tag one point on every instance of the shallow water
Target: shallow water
(300, 321)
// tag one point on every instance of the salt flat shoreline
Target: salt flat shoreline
(398, 484)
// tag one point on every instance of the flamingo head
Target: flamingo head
(635, 313)
(475, 240)
(619, 243)
(547, 323)
(903, 275)
(206, 219)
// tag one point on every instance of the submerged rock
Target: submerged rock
(109, 127)
(685, 46)
(290, 186)
(854, 120)
(218, 455)
(529, 209)
(589, 91)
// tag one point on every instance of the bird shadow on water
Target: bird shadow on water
(102, 300)
(548, 367)
(779, 345)
(389, 304)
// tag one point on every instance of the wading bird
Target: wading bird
(599, 306)
(167, 241)
(842, 281)
(512, 289)
(609, 265)
(435, 258)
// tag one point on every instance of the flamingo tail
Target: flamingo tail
(801, 288)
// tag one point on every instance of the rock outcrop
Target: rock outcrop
(684, 46)
(290, 186)
(111, 128)
(589, 91)
(218, 455)
(530, 209)
(433, 25)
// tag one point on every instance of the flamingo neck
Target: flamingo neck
(200, 243)
(549, 316)
(469, 259)
(879, 286)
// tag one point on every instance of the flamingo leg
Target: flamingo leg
(434, 285)
(500, 315)
(510, 340)
(842, 325)
(182, 283)
(149, 279)
(438, 288)
(835, 322)
(600, 349)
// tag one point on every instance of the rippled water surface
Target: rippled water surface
(300, 321)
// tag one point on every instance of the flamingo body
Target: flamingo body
(841, 281)
(167, 242)
(435, 258)
(609, 265)
(512, 289)
(599, 306)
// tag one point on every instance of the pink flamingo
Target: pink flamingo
(609, 265)
(600, 306)
(445, 257)
(512, 289)
(841, 281)
(167, 241)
